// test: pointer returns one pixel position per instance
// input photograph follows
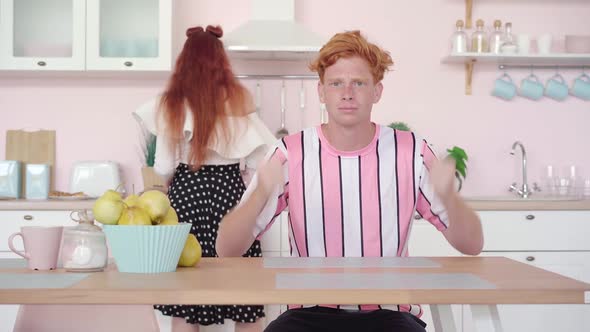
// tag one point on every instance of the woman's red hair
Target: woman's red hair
(204, 84)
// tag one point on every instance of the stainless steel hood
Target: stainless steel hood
(272, 34)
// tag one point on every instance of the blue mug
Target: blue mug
(556, 88)
(531, 87)
(581, 87)
(504, 87)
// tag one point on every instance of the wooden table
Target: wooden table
(247, 281)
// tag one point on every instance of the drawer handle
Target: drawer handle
(530, 258)
(417, 217)
(128, 63)
(28, 217)
(41, 63)
(530, 217)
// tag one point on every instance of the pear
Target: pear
(171, 218)
(131, 200)
(112, 194)
(107, 209)
(191, 253)
(134, 216)
(155, 203)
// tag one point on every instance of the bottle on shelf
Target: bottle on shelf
(479, 39)
(459, 43)
(496, 38)
(509, 45)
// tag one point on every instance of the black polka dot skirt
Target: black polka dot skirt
(202, 198)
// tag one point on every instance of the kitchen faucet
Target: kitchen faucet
(524, 191)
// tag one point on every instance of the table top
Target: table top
(489, 280)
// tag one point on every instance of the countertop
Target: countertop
(46, 205)
(483, 203)
(213, 281)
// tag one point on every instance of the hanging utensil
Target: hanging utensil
(257, 97)
(302, 103)
(282, 131)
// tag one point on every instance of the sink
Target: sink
(514, 198)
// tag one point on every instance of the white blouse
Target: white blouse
(249, 140)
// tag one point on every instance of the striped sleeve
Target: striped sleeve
(428, 204)
(278, 200)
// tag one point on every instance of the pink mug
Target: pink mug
(41, 246)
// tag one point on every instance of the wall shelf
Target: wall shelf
(559, 60)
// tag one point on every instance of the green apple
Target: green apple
(134, 216)
(155, 203)
(107, 209)
(131, 200)
(171, 218)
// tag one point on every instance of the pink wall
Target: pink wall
(92, 116)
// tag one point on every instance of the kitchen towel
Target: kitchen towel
(39, 280)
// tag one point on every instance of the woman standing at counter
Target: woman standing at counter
(207, 124)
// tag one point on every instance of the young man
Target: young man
(351, 187)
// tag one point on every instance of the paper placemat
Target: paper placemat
(41, 280)
(13, 263)
(381, 281)
(348, 262)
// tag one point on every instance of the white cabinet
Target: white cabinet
(544, 317)
(93, 35)
(552, 240)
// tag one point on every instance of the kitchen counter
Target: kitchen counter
(477, 203)
(517, 204)
(46, 205)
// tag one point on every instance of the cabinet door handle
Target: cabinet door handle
(530, 258)
(128, 63)
(41, 63)
(530, 217)
(28, 217)
(417, 217)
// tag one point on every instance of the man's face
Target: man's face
(349, 91)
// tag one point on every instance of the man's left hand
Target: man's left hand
(442, 177)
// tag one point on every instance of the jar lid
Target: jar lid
(85, 224)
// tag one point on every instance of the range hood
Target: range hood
(272, 34)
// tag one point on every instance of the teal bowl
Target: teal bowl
(146, 249)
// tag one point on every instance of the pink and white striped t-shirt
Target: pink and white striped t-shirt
(353, 204)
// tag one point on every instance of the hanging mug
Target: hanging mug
(581, 87)
(531, 87)
(556, 88)
(504, 87)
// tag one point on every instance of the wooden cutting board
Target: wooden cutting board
(31, 147)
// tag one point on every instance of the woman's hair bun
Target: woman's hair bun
(193, 30)
(215, 30)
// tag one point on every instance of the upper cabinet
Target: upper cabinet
(92, 35)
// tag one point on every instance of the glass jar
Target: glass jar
(496, 37)
(459, 42)
(479, 39)
(509, 45)
(84, 247)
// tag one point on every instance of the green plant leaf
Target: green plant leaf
(399, 126)
(150, 152)
(460, 156)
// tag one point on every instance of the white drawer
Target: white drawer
(536, 230)
(12, 221)
(426, 240)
